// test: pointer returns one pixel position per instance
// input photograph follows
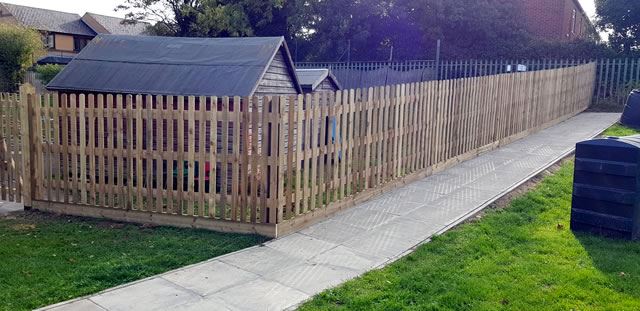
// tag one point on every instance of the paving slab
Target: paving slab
(79, 305)
(364, 218)
(209, 303)
(10, 207)
(301, 246)
(283, 273)
(153, 294)
(261, 260)
(332, 231)
(210, 277)
(261, 294)
(379, 243)
(344, 257)
(311, 277)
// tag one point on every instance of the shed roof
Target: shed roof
(113, 25)
(312, 78)
(49, 20)
(172, 66)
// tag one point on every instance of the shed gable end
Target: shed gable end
(277, 80)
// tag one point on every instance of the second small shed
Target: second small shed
(317, 80)
(181, 66)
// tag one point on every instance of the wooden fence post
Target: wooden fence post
(27, 94)
(282, 165)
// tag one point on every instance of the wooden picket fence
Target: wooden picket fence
(615, 77)
(271, 165)
(11, 182)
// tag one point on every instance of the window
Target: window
(573, 21)
(50, 41)
(79, 43)
(580, 27)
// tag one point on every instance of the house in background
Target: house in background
(555, 20)
(181, 66)
(102, 24)
(317, 80)
(65, 34)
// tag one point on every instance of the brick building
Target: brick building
(555, 20)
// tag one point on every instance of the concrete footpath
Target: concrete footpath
(283, 273)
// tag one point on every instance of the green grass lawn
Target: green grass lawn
(46, 259)
(620, 130)
(522, 257)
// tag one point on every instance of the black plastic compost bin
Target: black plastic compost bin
(631, 115)
(606, 187)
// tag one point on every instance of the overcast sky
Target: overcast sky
(106, 6)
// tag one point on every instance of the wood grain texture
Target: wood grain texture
(275, 162)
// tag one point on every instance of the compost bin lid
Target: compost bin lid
(633, 140)
(619, 142)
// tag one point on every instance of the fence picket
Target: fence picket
(270, 161)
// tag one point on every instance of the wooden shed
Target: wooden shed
(126, 64)
(317, 80)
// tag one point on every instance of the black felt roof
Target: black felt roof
(169, 65)
(312, 78)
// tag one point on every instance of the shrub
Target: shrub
(47, 72)
(19, 49)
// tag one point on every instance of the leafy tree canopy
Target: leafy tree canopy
(340, 30)
(19, 48)
(205, 18)
(620, 18)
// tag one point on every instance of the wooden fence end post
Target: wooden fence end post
(27, 93)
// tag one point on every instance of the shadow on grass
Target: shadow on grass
(618, 260)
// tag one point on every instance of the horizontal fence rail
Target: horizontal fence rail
(373, 74)
(477, 68)
(271, 165)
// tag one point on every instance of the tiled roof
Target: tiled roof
(113, 25)
(49, 20)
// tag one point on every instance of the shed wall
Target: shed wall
(277, 80)
(327, 85)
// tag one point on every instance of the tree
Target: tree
(19, 48)
(358, 30)
(370, 29)
(471, 28)
(367, 30)
(621, 19)
(206, 18)
(579, 49)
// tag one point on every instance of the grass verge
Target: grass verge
(522, 257)
(620, 130)
(46, 259)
